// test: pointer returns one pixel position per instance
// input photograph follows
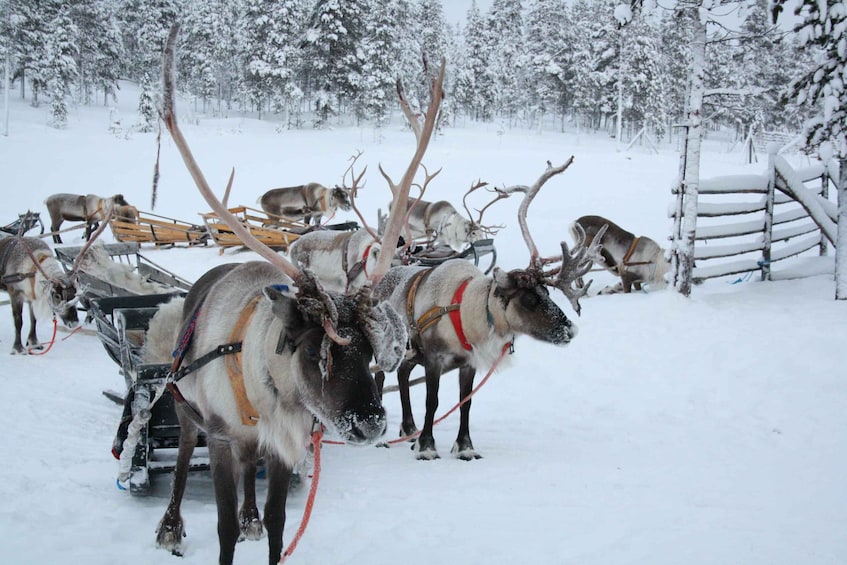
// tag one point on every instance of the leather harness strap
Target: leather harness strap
(431, 316)
(231, 352)
(630, 251)
(249, 416)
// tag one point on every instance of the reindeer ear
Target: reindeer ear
(387, 335)
(501, 278)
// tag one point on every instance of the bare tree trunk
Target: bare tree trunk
(683, 248)
(841, 247)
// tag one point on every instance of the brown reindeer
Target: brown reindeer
(297, 353)
(31, 275)
(460, 319)
(308, 202)
(637, 260)
(91, 209)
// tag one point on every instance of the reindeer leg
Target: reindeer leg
(18, 317)
(170, 530)
(278, 478)
(225, 480)
(463, 448)
(54, 227)
(248, 518)
(425, 445)
(407, 424)
(32, 339)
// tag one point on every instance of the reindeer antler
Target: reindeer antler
(321, 304)
(573, 264)
(499, 195)
(400, 191)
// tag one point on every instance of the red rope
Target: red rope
(73, 331)
(506, 348)
(52, 340)
(313, 489)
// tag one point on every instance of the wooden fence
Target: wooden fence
(746, 223)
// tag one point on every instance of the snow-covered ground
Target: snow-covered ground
(704, 430)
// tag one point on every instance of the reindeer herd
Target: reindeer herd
(267, 350)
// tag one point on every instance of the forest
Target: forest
(536, 64)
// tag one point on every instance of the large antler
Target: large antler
(169, 117)
(328, 315)
(572, 264)
(498, 195)
(575, 265)
(400, 192)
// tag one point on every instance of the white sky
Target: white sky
(457, 10)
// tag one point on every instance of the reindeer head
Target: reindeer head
(333, 375)
(60, 298)
(341, 197)
(529, 308)
(475, 229)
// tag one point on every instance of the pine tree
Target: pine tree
(644, 84)
(505, 28)
(547, 40)
(100, 48)
(595, 61)
(332, 46)
(60, 66)
(675, 38)
(273, 32)
(474, 86)
(824, 27)
(146, 24)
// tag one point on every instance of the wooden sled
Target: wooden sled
(275, 232)
(158, 230)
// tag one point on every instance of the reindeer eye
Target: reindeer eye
(312, 353)
(529, 300)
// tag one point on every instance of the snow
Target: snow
(701, 430)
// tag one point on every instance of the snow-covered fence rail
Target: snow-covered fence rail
(745, 223)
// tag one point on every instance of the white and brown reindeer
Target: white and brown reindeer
(458, 318)
(637, 260)
(31, 275)
(89, 208)
(303, 356)
(308, 202)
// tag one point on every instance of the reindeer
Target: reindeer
(308, 202)
(458, 318)
(91, 209)
(341, 260)
(637, 260)
(30, 274)
(299, 354)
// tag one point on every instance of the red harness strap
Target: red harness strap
(456, 315)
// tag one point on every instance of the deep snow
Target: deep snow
(701, 431)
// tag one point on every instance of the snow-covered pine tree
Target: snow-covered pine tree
(380, 54)
(60, 65)
(474, 85)
(332, 45)
(146, 24)
(100, 49)
(595, 62)
(273, 31)
(823, 27)
(644, 78)
(675, 38)
(27, 29)
(505, 29)
(548, 44)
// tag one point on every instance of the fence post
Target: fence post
(824, 244)
(767, 236)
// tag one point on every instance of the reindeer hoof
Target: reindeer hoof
(170, 538)
(465, 454)
(251, 529)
